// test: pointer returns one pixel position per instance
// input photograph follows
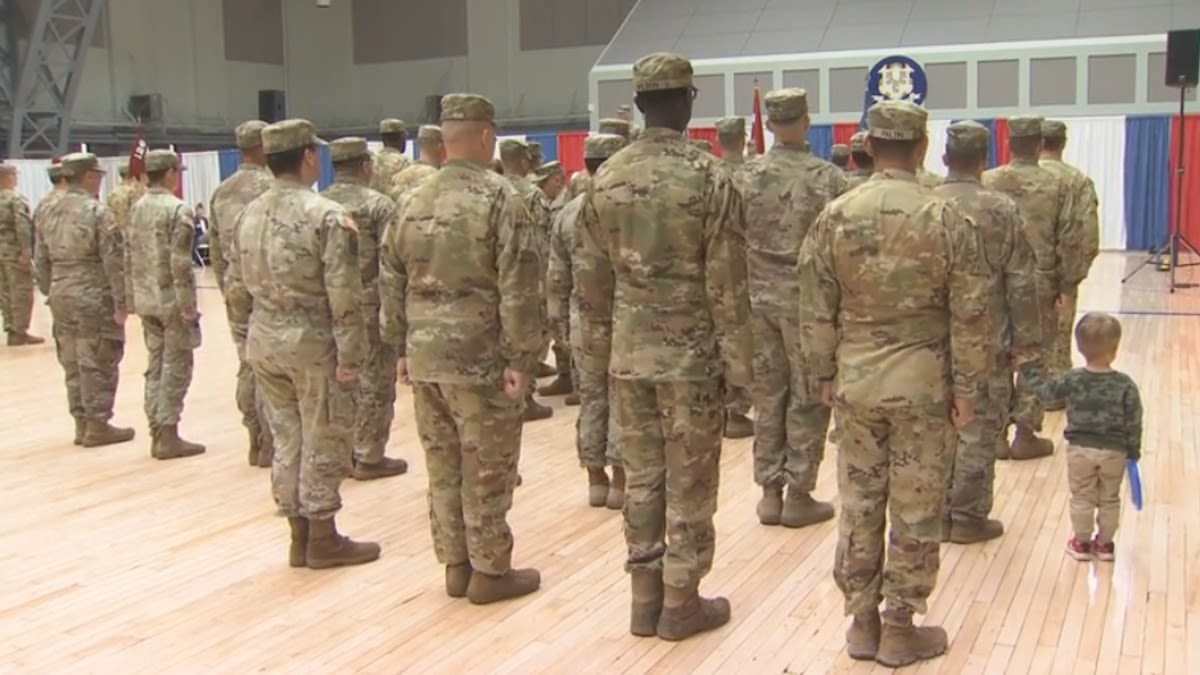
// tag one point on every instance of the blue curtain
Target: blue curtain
(228, 162)
(326, 178)
(820, 138)
(549, 145)
(1147, 181)
(993, 143)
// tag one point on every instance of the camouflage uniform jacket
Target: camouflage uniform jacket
(160, 240)
(1087, 209)
(47, 201)
(894, 296)
(372, 214)
(560, 298)
(409, 178)
(539, 213)
(388, 163)
(857, 177)
(120, 201)
(928, 178)
(296, 257)
(660, 268)
(16, 228)
(460, 279)
(228, 201)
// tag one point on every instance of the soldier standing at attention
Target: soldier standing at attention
(839, 156)
(731, 134)
(390, 160)
(59, 183)
(120, 201)
(786, 189)
(1016, 323)
(1052, 230)
(595, 438)
(660, 273)
(864, 163)
(228, 201)
(617, 126)
(296, 260)
(625, 113)
(433, 155)
(79, 264)
(552, 181)
(16, 261)
(372, 213)
(462, 306)
(893, 314)
(1087, 204)
(536, 158)
(162, 234)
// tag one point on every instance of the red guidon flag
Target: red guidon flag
(137, 156)
(757, 133)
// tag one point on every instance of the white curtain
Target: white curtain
(1096, 145)
(501, 139)
(936, 129)
(202, 177)
(32, 181)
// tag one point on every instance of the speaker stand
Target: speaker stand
(1176, 239)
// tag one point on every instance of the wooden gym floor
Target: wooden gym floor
(113, 562)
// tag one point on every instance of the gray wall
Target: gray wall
(347, 65)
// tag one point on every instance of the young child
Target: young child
(1104, 427)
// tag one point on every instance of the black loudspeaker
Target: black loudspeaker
(433, 109)
(272, 105)
(1183, 58)
(145, 107)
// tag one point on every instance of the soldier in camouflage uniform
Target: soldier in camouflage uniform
(893, 314)
(79, 264)
(228, 201)
(702, 145)
(864, 163)
(306, 340)
(461, 304)
(515, 156)
(595, 437)
(1052, 229)
(663, 308)
(120, 201)
(625, 114)
(161, 237)
(839, 156)
(1087, 204)
(616, 126)
(433, 155)
(785, 189)
(59, 183)
(551, 180)
(16, 261)
(372, 213)
(1015, 318)
(390, 160)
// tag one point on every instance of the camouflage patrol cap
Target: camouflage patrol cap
(163, 160)
(248, 135)
(858, 142)
(839, 151)
(1055, 129)
(289, 135)
(348, 148)
(661, 71)
(467, 108)
(896, 121)
(512, 149)
(613, 125)
(967, 135)
(603, 146)
(785, 105)
(392, 126)
(54, 171)
(703, 145)
(429, 134)
(731, 128)
(79, 163)
(548, 170)
(1024, 126)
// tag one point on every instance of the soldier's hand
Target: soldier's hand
(119, 317)
(825, 392)
(1020, 357)
(963, 412)
(190, 315)
(346, 375)
(402, 371)
(515, 384)
(1063, 304)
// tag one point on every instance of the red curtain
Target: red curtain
(706, 134)
(1000, 131)
(843, 131)
(570, 150)
(1190, 223)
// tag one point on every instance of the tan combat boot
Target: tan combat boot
(1026, 445)
(572, 399)
(80, 427)
(974, 530)
(616, 489)
(266, 449)
(545, 370)
(97, 433)
(597, 487)
(24, 340)
(484, 589)
(646, 608)
(298, 548)
(255, 447)
(458, 577)
(561, 386)
(535, 411)
(801, 510)
(384, 468)
(862, 637)
(685, 613)
(947, 525)
(738, 426)
(902, 645)
(770, 507)
(1003, 451)
(327, 548)
(168, 444)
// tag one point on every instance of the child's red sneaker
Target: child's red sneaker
(1079, 550)
(1106, 552)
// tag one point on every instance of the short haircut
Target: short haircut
(862, 159)
(1024, 144)
(288, 161)
(1055, 144)
(393, 139)
(351, 164)
(593, 163)
(661, 97)
(156, 176)
(965, 155)
(1097, 335)
(886, 147)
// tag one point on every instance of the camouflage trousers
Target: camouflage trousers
(741, 403)
(248, 397)
(790, 424)
(376, 398)
(311, 417)
(91, 358)
(670, 440)
(972, 483)
(1061, 346)
(562, 357)
(893, 464)
(169, 348)
(1028, 409)
(595, 427)
(471, 434)
(16, 295)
